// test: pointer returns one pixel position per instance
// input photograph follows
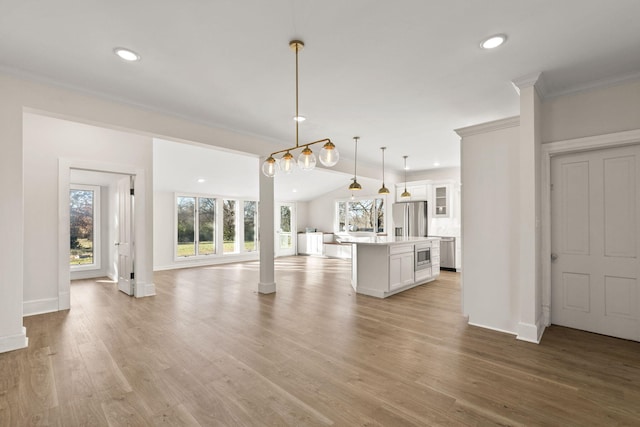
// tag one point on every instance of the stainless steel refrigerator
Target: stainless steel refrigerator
(411, 219)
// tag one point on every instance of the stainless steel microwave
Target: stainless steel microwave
(423, 256)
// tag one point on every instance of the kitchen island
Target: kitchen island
(383, 266)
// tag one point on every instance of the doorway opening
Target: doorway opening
(100, 227)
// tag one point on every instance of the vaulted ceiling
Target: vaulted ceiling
(401, 74)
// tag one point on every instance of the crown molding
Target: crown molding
(595, 85)
(529, 80)
(495, 125)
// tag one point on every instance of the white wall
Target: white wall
(596, 112)
(490, 219)
(45, 141)
(302, 216)
(439, 174)
(12, 333)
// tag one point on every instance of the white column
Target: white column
(530, 326)
(266, 211)
(12, 333)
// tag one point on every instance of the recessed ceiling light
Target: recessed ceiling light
(295, 190)
(493, 41)
(201, 180)
(126, 54)
(299, 118)
(436, 164)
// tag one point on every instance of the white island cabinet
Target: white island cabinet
(383, 266)
(401, 266)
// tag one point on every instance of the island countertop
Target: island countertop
(384, 240)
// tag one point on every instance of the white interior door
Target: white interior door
(595, 231)
(285, 228)
(125, 244)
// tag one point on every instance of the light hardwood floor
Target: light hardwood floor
(208, 350)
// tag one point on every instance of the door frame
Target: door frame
(64, 169)
(549, 150)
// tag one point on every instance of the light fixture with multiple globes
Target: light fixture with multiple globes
(306, 160)
(355, 185)
(405, 194)
(383, 189)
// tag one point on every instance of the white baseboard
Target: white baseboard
(530, 332)
(267, 288)
(144, 290)
(14, 342)
(371, 292)
(149, 289)
(64, 301)
(504, 331)
(39, 306)
(187, 263)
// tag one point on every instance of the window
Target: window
(194, 222)
(206, 226)
(214, 226)
(229, 230)
(84, 227)
(250, 226)
(360, 215)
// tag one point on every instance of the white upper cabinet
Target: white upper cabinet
(440, 202)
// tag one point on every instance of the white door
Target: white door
(285, 229)
(595, 229)
(125, 244)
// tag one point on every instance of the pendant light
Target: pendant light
(287, 163)
(405, 194)
(329, 155)
(306, 160)
(383, 189)
(354, 185)
(270, 167)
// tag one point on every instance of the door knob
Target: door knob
(554, 257)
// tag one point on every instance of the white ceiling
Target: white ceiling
(401, 73)
(178, 166)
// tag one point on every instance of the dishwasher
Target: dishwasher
(448, 253)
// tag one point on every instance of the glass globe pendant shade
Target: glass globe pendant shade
(287, 163)
(270, 167)
(306, 159)
(329, 155)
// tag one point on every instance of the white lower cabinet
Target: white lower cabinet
(435, 258)
(311, 243)
(401, 267)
